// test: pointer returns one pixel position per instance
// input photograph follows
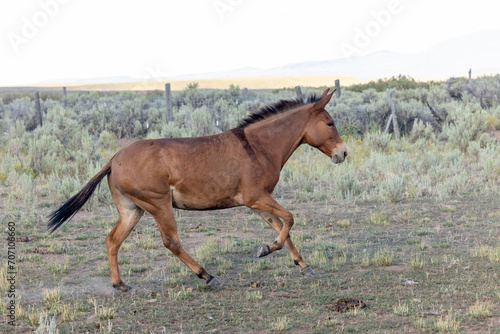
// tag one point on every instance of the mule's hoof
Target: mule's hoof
(263, 250)
(213, 282)
(307, 271)
(122, 287)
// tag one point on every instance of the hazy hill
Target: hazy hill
(479, 51)
(454, 57)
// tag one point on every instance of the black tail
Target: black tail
(75, 203)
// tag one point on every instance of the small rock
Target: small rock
(255, 284)
(410, 282)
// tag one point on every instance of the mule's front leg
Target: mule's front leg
(283, 234)
(279, 242)
(276, 224)
(267, 204)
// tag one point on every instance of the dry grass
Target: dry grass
(271, 82)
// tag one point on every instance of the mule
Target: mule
(234, 168)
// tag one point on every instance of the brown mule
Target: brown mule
(238, 167)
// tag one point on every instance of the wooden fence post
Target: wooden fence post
(65, 95)
(298, 91)
(337, 87)
(393, 117)
(38, 109)
(388, 123)
(168, 101)
(470, 75)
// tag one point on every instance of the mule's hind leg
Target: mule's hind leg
(130, 214)
(276, 224)
(165, 219)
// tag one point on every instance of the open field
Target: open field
(248, 82)
(410, 226)
(419, 264)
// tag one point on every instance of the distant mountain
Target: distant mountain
(88, 80)
(479, 51)
(454, 57)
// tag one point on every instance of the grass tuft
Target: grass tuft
(344, 223)
(254, 295)
(403, 310)
(383, 257)
(417, 262)
(147, 242)
(280, 324)
(379, 219)
(180, 295)
(338, 262)
(103, 312)
(480, 310)
(52, 297)
(447, 324)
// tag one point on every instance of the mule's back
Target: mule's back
(201, 173)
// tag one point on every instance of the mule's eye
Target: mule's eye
(330, 124)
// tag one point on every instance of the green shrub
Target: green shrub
(202, 122)
(378, 141)
(348, 186)
(400, 82)
(393, 188)
(465, 124)
(421, 131)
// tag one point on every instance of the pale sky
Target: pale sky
(56, 39)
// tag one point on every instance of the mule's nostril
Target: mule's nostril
(345, 154)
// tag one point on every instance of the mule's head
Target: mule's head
(321, 132)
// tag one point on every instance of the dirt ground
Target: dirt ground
(419, 266)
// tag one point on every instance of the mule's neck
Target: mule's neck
(277, 137)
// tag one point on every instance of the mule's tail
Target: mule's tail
(75, 203)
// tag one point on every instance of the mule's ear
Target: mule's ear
(325, 98)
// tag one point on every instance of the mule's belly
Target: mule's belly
(204, 202)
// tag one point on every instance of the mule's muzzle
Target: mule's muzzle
(340, 155)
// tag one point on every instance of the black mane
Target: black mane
(276, 108)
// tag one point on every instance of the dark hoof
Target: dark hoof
(122, 287)
(307, 271)
(263, 250)
(213, 282)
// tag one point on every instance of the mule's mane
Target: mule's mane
(276, 108)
